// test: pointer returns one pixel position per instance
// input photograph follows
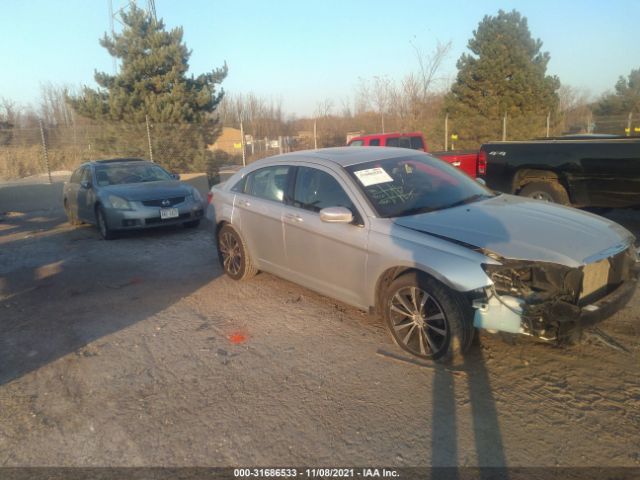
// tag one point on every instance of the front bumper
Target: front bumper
(141, 217)
(556, 321)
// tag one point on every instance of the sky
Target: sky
(302, 53)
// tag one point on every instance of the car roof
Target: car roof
(387, 135)
(115, 160)
(344, 156)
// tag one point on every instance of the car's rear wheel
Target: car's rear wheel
(233, 254)
(546, 191)
(427, 319)
(103, 227)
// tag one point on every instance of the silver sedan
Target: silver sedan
(412, 239)
(129, 194)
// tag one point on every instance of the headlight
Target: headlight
(196, 195)
(119, 203)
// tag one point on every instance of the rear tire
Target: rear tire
(103, 227)
(428, 319)
(546, 191)
(233, 254)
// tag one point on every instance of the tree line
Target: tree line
(502, 75)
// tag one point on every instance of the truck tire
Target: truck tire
(545, 191)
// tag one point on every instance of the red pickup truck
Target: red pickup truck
(467, 161)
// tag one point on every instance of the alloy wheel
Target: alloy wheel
(231, 253)
(419, 322)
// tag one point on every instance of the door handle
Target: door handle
(244, 203)
(293, 218)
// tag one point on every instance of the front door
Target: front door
(326, 257)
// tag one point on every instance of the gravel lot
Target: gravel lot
(140, 352)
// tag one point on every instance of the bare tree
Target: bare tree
(54, 108)
(429, 64)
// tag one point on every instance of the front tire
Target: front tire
(546, 191)
(427, 319)
(103, 227)
(233, 254)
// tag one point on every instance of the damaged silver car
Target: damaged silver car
(436, 254)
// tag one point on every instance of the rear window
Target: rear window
(417, 143)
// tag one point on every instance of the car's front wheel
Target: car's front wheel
(103, 227)
(427, 319)
(233, 254)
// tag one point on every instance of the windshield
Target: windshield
(415, 184)
(120, 173)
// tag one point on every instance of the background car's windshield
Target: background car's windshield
(415, 184)
(117, 174)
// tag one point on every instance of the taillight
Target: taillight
(482, 162)
(209, 197)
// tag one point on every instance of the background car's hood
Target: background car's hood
(519, 228)
(149, 190)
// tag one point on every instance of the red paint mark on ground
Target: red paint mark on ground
(237, 338)
(135, 280)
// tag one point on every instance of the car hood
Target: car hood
(518, 228)
(149, 190)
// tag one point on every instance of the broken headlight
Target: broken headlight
(535, 281)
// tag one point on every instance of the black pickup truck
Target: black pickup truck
(594, 171)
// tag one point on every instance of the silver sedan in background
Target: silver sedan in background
(410, 238)
(129, 194)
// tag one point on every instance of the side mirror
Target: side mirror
(481, 182)
(175, 176)
(336, 215)
(86, 184)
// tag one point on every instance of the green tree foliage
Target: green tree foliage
(152, 82)
(504, 73)
(625, 99)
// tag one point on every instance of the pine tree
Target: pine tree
(625, 99)
(505, 73)
(152, 83)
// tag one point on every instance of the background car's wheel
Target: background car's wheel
(427, 319)
(234, 255)
(103, 226)
(192, 224)
(72, 217)
(546, 191)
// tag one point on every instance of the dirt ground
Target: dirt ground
(140, 352)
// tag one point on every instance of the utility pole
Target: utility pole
(446, 132)
(315, 136)
(113, 32)
(629, 118)
(244, 160)
(146, 118)
(44, 150)
(548, 122)
(504, 127)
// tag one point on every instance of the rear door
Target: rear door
(86, 196)
(71, 191)
(327, 257)
(259, 207)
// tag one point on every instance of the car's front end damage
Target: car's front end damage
(551, 301)
(550, 270)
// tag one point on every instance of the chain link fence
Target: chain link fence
(187, 148)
